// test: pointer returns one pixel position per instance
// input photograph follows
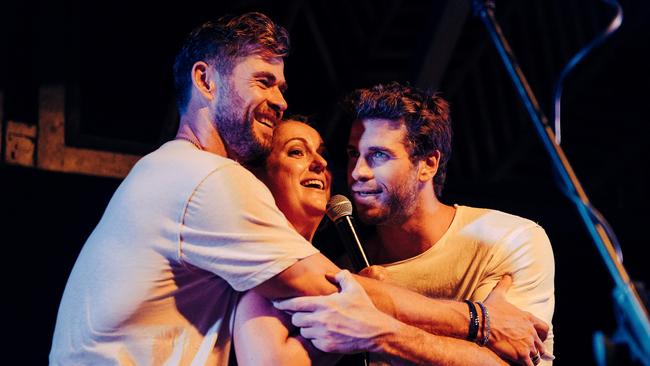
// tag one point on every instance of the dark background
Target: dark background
(115, 58)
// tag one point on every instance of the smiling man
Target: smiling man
(398, 149)
(190, 228)
(158, 280)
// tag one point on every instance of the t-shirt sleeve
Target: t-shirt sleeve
(526, 254)
(232, 227)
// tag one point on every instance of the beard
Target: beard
(235, 125)
(398, 205)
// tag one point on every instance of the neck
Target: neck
(307, 228)
(416, 234)
(198, 128)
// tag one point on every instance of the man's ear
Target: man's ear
(204, 79)
(428, 167)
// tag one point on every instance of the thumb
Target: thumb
(504, 284)
(376, 272)
(345, 280)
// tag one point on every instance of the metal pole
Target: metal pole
(626, 294)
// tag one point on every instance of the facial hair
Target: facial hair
(235, 125)
(399, 203)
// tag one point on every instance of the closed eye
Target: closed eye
(266, 83)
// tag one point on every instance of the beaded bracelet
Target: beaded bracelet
(486, 324)
(473, 321)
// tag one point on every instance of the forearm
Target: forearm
(441, 317)
(305, 278)
(407, 345)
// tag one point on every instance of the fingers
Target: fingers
(504, 284)
(343, 279)
(548, 357)
(539, 345)
(305, 303)
(535, 358)
(308, 333)
(528, 362)
(324, 346)
(301, 320)
(376, 272)
(346, 281)
(544, 354)
(330, 276)
(540, 326)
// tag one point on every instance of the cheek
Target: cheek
(388, 177)
(254, 99)
(286, 176)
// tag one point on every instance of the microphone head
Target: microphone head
(338, 206)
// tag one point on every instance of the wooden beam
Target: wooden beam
(53, 154)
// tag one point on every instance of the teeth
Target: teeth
(265, 121)
(368, 193)
(313, 183)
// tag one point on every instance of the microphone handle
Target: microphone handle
(348, 234)
(346, 228)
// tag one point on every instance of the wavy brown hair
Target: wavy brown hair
(425, 115)
(221, 42)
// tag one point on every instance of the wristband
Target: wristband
(486, 324)
(473, 321)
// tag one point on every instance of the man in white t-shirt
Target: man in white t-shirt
(398, 149)
(158, 280)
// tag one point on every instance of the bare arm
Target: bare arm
(437, 316)
(515, 333)
(304, 278)
(307, 278)
(263, 336)
(348, 322)
(408, 345)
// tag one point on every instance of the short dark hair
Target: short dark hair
(425, 115)
(222, 41)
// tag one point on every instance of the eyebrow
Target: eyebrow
(374, 148)
(296, 138)
(283, 86)
(321, 147)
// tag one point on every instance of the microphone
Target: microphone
(339, 210)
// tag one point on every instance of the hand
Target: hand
(343, 322)
(378, 273)
(515, 335)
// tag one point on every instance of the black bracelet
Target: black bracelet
(486, 325)
(473, 321)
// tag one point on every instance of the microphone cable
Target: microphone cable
(612, 27)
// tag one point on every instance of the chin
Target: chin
(372, 218)
(315, 210)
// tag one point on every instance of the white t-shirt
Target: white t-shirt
(157, 281)
(478, 248)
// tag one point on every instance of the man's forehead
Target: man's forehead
(376, 127)
(257, 63)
